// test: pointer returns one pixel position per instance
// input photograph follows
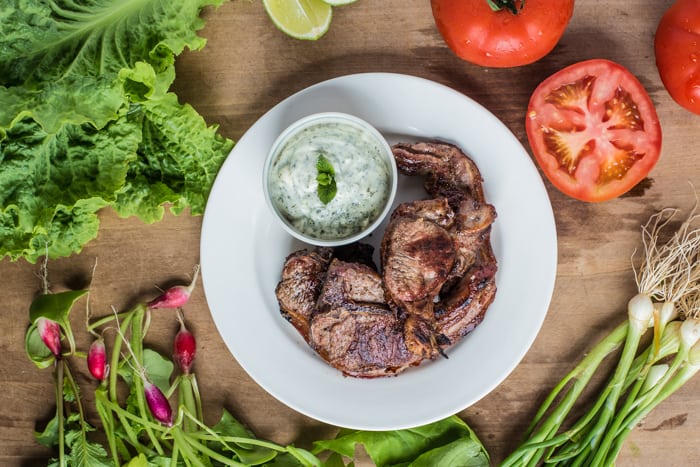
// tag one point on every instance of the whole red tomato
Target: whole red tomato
(677, 49)
(593, 130)
(519, 33)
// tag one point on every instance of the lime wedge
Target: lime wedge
(339, 2)
(301, 19)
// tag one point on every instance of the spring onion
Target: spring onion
(668, 301)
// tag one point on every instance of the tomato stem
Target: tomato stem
(510, 5)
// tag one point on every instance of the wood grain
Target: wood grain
(246, 68)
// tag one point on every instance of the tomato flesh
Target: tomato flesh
(480, 35)
(593, 130)
(677, 51)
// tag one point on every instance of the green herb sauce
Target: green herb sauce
(362, 175)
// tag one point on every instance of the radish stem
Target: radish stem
(185, 445)
(136, 348)
(108, 319)
(107, 423)
(197, 398)
(201, 447)
(114, 364)
(59, 412)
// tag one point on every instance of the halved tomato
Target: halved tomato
(593, 130)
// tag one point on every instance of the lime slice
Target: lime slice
(301, 19)
(339, 2)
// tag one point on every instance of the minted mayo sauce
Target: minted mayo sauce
(362, 176)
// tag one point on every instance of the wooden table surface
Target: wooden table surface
(246, 68)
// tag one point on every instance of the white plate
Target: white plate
(243, 249)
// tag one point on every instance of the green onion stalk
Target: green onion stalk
(668, 284)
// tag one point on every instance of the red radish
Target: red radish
(50, 333)
(157, 403)
(184, 347)
(175, 296)
(97, 359)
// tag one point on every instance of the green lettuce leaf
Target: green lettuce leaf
(60, 60)
(248, 454)
(177, 161)
(52, 185)
(87, 122)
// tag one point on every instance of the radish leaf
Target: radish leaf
(36, 350)
(55, 306)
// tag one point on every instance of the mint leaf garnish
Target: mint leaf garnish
(327, 188)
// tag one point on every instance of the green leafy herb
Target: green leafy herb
(327, 188)
(87, 122)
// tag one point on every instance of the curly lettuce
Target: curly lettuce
(87, 122)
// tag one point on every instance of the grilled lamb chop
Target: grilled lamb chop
(303, 274)
(353, 329)
(453, 175)
(338, 307)
(464, 306)
(417, 255)
(471, 233)
(454, 180)
(449, 172)
(438, 275)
